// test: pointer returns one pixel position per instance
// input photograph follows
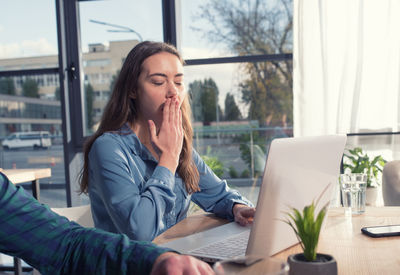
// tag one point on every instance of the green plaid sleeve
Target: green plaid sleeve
(54, 245)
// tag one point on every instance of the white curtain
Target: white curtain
(346, 66)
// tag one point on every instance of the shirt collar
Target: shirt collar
(134, 144)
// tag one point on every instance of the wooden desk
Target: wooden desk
(17, 176)
(341, 237)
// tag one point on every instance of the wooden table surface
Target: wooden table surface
(26, 175)
(341, 237)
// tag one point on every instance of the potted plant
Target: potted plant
(357, 161)
(307, 229)
(213, 162)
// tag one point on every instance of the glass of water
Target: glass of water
(353, 188)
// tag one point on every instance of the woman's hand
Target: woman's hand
(243, 214)
(174, 264)
(169, 140)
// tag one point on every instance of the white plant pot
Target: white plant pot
(371, 196)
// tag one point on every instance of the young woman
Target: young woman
(140, 169)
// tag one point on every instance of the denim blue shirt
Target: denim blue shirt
(131, 194)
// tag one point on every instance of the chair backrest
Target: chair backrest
(79, 214)
(391, 183)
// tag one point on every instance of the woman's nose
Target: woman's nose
(172, 90)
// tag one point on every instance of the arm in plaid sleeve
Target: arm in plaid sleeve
(54, 245)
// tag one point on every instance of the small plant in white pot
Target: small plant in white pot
(357, 161)
(307, 228)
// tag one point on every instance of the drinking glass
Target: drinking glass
(353, 187)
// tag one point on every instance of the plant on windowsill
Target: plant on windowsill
(213, 162)
(307, 229)
(357, 161)
(217, 167)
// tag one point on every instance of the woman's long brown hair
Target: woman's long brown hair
(121, 108)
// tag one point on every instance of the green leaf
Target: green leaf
(306, 227)
(357, 161)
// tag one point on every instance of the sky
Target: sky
(28, 28)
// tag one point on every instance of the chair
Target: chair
(79, 214)
(391, 183)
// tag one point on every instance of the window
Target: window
(97, 63)
(239, 80)
(231, 28)
(97, 94)
(28, 46)
(249, 114)
(28, 78)
(104, 51)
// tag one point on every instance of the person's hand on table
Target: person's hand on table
(175, 264)
(243, 214)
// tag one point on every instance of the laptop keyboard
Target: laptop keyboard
(226, 248)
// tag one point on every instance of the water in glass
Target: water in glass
(353, 188)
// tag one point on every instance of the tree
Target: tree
(269, 101)
(113, 80)
(195, 89)
(7, 86)
(204, 95)
(209, 99)
(232, 111)
(30, 88)
(248, 27)
(57, 93)
(89, 104)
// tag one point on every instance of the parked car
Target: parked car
(36, 140)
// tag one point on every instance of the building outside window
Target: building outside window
(101, 63)
(29, 81)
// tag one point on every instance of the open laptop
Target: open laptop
(297, 171)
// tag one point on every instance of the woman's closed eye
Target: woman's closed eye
(157, 82)
(178, 80)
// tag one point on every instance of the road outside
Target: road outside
(43, 158)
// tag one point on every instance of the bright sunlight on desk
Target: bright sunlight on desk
(17, 176)
(341, 237)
